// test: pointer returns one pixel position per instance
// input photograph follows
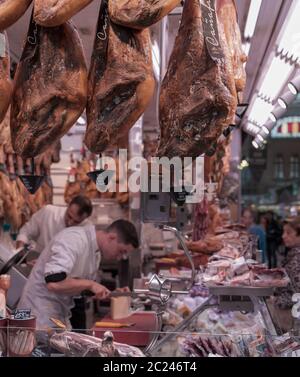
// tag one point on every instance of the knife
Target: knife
(113, 324)
(123, 294)
(115, 294)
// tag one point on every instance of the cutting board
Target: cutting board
(139, 335)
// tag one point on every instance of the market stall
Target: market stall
(135, 114)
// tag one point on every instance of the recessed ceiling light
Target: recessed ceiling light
(272, 117)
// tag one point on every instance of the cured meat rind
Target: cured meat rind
(52, 13)
(121, 82)
(50, 88)
(139, 14)
(11, 11)
(198, 97)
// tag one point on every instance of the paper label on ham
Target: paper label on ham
(2, 45)
(210, 30)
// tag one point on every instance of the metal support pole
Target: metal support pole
(186, 251)
(210, 302)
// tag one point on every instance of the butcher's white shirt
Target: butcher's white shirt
(43, 226)
(73, 251)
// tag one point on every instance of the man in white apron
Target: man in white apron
(50, 220)
(69, 265)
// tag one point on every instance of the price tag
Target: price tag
(22, 314)
(37, 352)
(211, 31)
(2, 45)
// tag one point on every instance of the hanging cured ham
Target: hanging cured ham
(50, 88)
(227, 15)
(4, 140)
(5, 82)
(11, 11)
(139, 14)
(198, 96)
(56, 12)
(121, 82)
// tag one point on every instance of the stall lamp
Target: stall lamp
(266, 130)
(260, 138)
(243, 165)
(282, 103)
(294, 84)
(253, 14)
(272, 117)
(292, 88)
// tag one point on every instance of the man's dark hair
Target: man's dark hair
(84, 204)
(126, 231)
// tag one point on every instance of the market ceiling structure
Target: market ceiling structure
(268, 33)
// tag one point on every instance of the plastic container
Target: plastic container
(21, 336)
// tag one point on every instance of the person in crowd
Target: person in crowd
(50, 220)
(283, 296)
(274, 234)
(248, 219)
(68, 266)
(263, 221)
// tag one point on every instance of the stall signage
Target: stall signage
(210, 30)
(2, 45)
(22, 314)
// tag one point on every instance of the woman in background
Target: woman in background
(283, 296)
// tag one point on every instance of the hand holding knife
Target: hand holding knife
(119, 292)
